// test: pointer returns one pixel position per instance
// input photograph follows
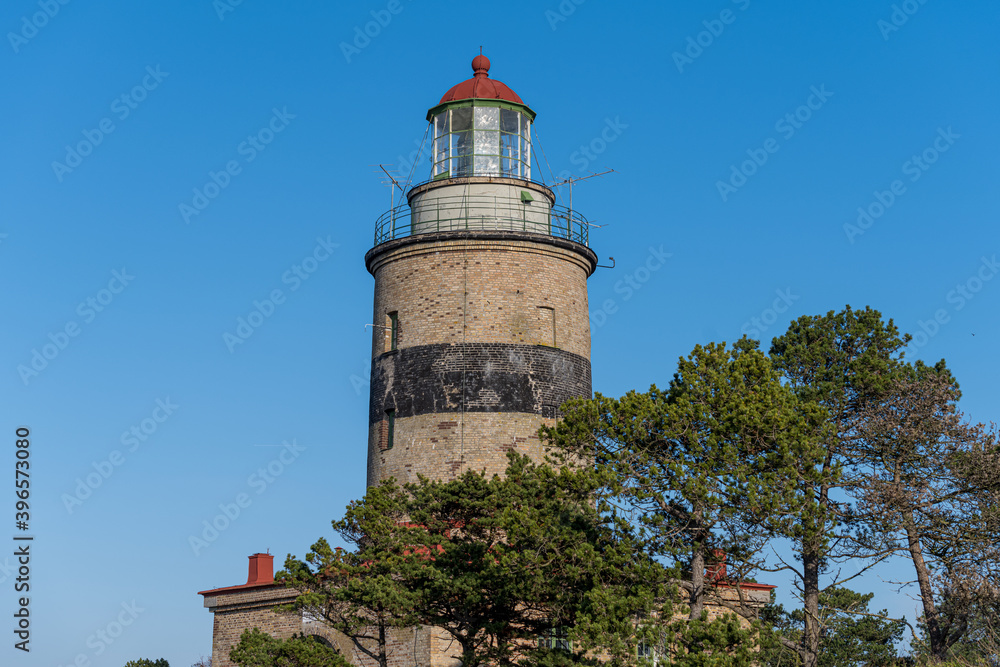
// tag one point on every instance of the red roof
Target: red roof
(481, 86)
(230, 589)
(261, 575)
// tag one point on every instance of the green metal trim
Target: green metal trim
(442, 175)
(480, 102)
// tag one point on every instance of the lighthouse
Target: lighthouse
(481, 327)
(481, 332)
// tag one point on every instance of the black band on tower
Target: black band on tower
(497, 377)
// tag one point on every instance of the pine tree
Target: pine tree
(931, 492)
(495, 562)
(258, 649)
(835, 362)
(358, 592)
(710, 466)
(850, 634)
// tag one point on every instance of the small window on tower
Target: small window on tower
(546, 326)
(391, 331)
(390, 428)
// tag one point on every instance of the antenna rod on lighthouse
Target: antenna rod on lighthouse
(392, 209)
(391, 178)
(570, 182)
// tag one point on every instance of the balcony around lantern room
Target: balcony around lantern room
(481, 203)
(481, 179)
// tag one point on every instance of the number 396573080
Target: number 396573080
(21, 476)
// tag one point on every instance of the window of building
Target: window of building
(390, 428)
(391, 331)
(546, 326)
(646, 652)
(555, 638)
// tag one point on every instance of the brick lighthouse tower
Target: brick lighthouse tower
(481, 323)
(481, 333)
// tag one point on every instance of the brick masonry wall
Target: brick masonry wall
(493, 334)
(483, 287)
(432, 444)
(249, 608)
(405, 647)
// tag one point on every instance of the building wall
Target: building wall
(482, 286)
(405, 647)
(493, 335)
(437, 446)
(483, 203)
(250, 608)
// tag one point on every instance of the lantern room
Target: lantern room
(481, 128)
(480, 141)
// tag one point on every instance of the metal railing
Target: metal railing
(480, 213)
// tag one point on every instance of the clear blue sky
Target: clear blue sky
(673, 129)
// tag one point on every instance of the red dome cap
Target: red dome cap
(481, 86)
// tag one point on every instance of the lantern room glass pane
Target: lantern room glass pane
(487, 165)
(487, 118)
(509, 153)
(461, 166)
(462, 143)
(461, 119)
(462, 153)
(441, 148)
(526, 159)
(509, 121)
(488, 143)
(441, 124)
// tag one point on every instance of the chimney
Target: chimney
(715, 571)
(261, 569)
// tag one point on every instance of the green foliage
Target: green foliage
(258, 649)
(494, 562)
(145, 662)
(742, 448)
(720, 642)
(835, 363)
(558, 658)
(839, 358)
(850, 634)
(708, 465)
(515, 556)
(360, 592)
